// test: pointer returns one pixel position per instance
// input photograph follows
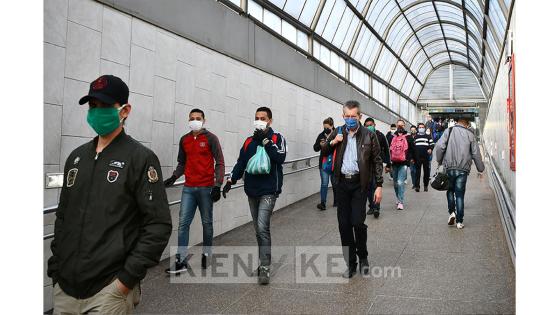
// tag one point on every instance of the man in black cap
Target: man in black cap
(112, 221)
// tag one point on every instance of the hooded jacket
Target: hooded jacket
(460, 151)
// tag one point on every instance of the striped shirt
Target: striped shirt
(423, 143)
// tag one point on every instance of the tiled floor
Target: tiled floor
(443, 270)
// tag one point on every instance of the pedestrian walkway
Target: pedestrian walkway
(443, 270)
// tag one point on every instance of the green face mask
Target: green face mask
(372, 128)
(104, 120)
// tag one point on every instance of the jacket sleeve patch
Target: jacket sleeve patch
(152, 175)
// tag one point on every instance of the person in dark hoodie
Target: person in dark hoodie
(423, 145)
(374, 207)
(402, 154)
(328, 125)
(262, 189)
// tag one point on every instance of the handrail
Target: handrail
(52, 209)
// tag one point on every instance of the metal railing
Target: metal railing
(295, 163)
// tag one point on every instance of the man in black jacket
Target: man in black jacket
(357, 160)
(374, 208)
(112, 221)
(423, 145)
(328, 125)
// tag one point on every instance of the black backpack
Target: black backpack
(440, 181)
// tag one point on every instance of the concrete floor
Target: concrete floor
(443, 270)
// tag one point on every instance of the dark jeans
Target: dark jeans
(325, 185)
(425, 166)
(456, 193)
(192, 198)
(261, 211)
(413, 171)
(371, 190)
(351, 213)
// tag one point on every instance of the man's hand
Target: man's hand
(215, 194)
(429, 151)
(377, 195)
(259, 135)
(387, 169)
(226, 189)
(339, 137)
(412, 161)
(124, 290)
(170, 181)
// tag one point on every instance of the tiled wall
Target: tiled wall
(167, 76)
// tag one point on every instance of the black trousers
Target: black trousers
(351, 212)
(425, 166)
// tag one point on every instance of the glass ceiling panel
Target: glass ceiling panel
(417, 62)
(448, 12)
(366, 48)
(439, 58)
(358, 4)
(415, 91)
(309, 11)
(398, 76)
(385, 64)
(408, 84)
(458, 57)
(429, 33)
(472, 26)
(421, 14)
(475, 9)
(332, 20)
(424, 71)
(457, 46)
(497, 18)
(380, 13)
(398, 33)
(435, 47)
(452, 31)
(410, 49)
(493, 46)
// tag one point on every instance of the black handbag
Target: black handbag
(440, 181)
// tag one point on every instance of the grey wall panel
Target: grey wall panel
(215, 26)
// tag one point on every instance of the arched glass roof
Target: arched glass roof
(393, 44)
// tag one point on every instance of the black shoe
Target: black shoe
(180, 266)
(425, 188)
(321, 206)
(349, 273)
(370, 211)
(364, 266)
(264, 274)
(376, 214)
(417, 189)
(204, 261)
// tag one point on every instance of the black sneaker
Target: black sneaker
(178, 267)
(364, 266)
(370, 211)
(204, 261)
(417, 189)
(321, 206)
(425, 188)
(264, 274)
(376, 214)
(349, 273)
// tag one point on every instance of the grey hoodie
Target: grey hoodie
(461, 150)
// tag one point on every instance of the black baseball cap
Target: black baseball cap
(108, 89)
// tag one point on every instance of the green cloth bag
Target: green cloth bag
(259, 163)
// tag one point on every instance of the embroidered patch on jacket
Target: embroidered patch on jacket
(152, 175)
(203, 144)
(112, 176)
(115, 163)
(71, 177)
(76, 160)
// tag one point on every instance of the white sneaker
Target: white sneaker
(451, 220)
(460, 225)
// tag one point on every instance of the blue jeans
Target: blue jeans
(325, 185)
(413, 173)
(456, 193)
(399, 176)
(195, 197)
(261, 211)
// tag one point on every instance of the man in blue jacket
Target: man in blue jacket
(262, 189)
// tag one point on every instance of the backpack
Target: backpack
(399, 146)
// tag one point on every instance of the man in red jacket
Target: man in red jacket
(200, 159)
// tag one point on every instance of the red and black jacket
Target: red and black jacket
(200, 159)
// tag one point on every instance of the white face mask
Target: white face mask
(421, 130)
(195, 125)
(259, 124)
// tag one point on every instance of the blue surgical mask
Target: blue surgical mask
(351, 123)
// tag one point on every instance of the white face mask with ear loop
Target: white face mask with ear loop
(195, 125)
(259, 124)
